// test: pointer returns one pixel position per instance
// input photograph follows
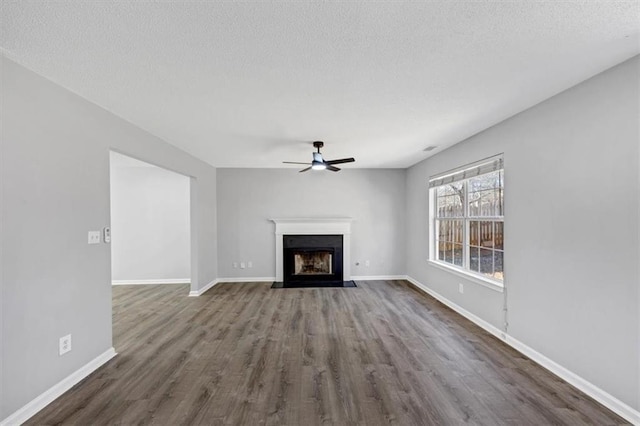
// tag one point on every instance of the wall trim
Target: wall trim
(353, 277)
(492, 329)
(153, 281)
(314, 226)
(246, 279)
(47, 397)
(201, 291)
(377, 277)
(603, 397)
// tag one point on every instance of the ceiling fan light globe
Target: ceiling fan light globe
(316, 165)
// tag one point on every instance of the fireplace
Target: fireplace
(312, 262)
(312, 259)
(316, 226)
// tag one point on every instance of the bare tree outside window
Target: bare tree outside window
(469, 224)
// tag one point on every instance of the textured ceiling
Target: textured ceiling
(248, 84)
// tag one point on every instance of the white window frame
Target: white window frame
(464, 270)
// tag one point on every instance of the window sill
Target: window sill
(469, 276)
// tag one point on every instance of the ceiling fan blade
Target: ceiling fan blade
(293, 162)
(304, 170)
(333, 169)
(340, 161)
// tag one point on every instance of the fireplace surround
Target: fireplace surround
(329, 226)
(312, 258)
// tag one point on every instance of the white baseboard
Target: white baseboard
(246, 279)
(201, 291)
(459, 309)
(157, 281)
(604, 398)
(267, 279)
(47, 397)
(377, 277)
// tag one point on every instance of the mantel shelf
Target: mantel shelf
(314, 226)
(312, 219)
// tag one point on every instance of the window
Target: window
(468, 219)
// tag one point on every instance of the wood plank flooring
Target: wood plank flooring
(245, 354)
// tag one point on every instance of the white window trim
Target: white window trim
(476, 278)
(462, 272)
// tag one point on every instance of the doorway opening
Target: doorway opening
(150, 223)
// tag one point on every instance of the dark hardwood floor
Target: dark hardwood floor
(245, 354)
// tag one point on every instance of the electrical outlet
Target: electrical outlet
(460, 288)
(242, 265)
(235, 264)
(94, 237)
(367, 263)
(64, 345)
(249, 264)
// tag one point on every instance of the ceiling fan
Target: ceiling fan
(319, 163)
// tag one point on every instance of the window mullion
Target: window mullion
(434, 225)
(465, 212)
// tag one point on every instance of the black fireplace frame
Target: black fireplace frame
(310, 243)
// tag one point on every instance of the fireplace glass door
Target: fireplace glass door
(318, 262)
(312, 258)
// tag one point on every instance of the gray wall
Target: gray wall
(248, 198)
(149, 222)
(572, 237)
(571, 229)
(55, 188)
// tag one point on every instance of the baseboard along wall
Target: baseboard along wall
(153, 281)
(47, 397)
(378, 277)
(246, 279)
(200, 291)
(603, 397)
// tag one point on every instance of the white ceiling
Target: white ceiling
(248, 84)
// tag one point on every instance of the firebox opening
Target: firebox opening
(312, 259)
(318, 262)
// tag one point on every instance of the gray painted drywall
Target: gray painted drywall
(149, 222)
(571, 229)
(564, 159)
(55, 188)
(248, 198)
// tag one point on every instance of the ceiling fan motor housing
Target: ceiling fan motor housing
(319, 163)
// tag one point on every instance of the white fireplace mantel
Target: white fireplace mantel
(314, 226)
